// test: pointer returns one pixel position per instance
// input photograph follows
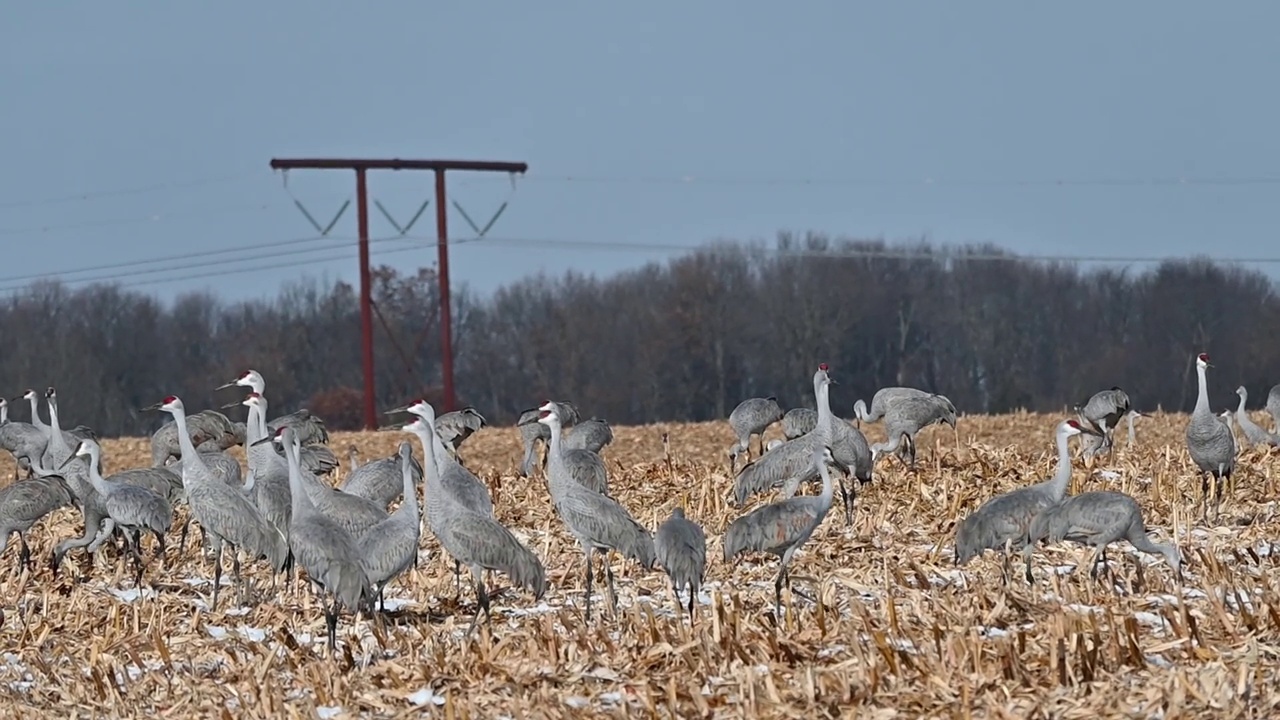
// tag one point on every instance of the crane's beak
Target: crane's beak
(149, 408)
(224, 386)
(268, 438)
(68, 460)
(394, 411)
(228, 406)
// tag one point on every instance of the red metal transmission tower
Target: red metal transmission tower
(440, 167)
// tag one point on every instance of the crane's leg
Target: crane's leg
(135, 549)
(1026, 555)
(589, 552)
(457, 580)
(608, 577)
(693, 594)
(331, 624)
(848, 503)
(784, 577)
(217, 574)
(182, 539)
(482, 600)
(92, 521)
(24, 555)
(159, 546)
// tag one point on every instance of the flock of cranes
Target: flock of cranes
(349, 544)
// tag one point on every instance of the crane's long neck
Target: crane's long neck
(35, 413)
(252, 431)
(555, 444)
(1202, 399)
(1240, 407)
(410, 504)
(432, 492)
(1058, 485)
(4, 413)
(53, 417)
(860, 411)
(826, 419)
(1131, 432)
(95, 477)
(300, 502)
(189, 455)
(827, 488)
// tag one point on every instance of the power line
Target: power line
(690, 179)
(137, 219)
(140, 190)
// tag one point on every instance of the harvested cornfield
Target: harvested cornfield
(898, 631)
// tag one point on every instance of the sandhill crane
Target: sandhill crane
(205, 426)
(1130, 418)
(353, 513)
(224, 513)
(60, 443)
(268, 470)
(751, 417)
(310, 429)
(881, 401)
(353, 458)
(1254, 434)
(455, 427)
(24, 503)
(584, 466)
(1103, 411)
(680, 546)
(1004, 522)
(906, 417)
(1098, 519)
(1210, 443)
(598, 522)
(848, 445)
(798, 421)
(1273, 406)
(321, 546)
(458, 483)
(789, 460)
(532, 432)
(389, 548)
(591, 435)
(782, 527)
(471, 538)
(24, 441)
(379, 480)
(131, 508)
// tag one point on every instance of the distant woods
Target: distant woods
(685, 340)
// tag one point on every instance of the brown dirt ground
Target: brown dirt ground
(899, 632)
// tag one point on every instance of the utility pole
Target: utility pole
(439, 167)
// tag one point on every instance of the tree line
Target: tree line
(684, 340)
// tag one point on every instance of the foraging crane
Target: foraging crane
(1004, 521)
(848, 444)
(131, 508)
(471, 538)
(783, 527)
(321, 546)
(24, 503)
(24, 441)
(1254, 434)
(1103, 412)
(379, 480)
(1098, 519)
(680, 546)
(591, 435)
(584, 466)
(455, 427)
(1210, 443)
(881, 401)
(751, 417)
(777, 468)
(906, 417)
(532, 432)
(389, 548)
(597, 522)
(310, 429)
(224, 513)
(798, 421)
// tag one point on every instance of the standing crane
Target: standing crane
(597, 522)
(24, 441)
(783, 527)
(680, 546)
(881, 401)
(224, 513)
(311, 429)
(322, 547)
(132, 508)
(848, 445)
(474, 539)
(206, 426)
(1004, 522)
(1098, 519)
(1210, 443)
(1103, 411)
(391, 547)
(751, 417)
(1254, 434)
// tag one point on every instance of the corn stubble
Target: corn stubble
(898, 631)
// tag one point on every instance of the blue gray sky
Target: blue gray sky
(1130, 129)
